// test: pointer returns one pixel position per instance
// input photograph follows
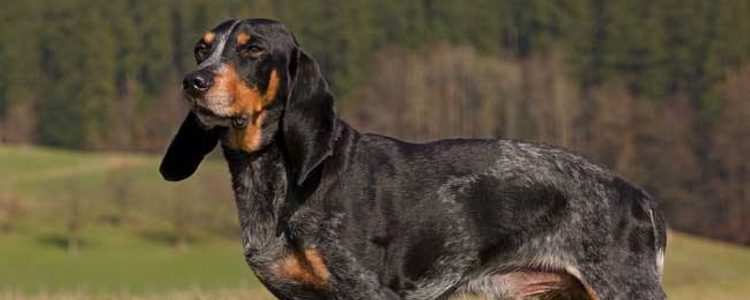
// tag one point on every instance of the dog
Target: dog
(328, 212)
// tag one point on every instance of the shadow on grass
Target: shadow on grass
(165, 237)
(228, 231)
(60, 240)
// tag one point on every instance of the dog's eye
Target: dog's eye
(252, 50)
(201, 51)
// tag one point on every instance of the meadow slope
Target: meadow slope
(138, 256)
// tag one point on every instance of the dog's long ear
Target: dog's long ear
(187, 149)
(309, 119)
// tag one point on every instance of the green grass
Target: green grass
(137, 260)
(134, 258)
(111, 260)
(699, 268)
(21, 161)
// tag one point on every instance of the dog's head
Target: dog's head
(253, 86)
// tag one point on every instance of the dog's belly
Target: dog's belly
(524, 283)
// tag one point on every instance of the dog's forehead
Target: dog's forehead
(225, 27)
(240, 32)
(218, 35)
(231, 27)
(244, 30)
(264, 29)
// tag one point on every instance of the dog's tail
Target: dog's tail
(659, 226)
(650, 207)
(660, 233)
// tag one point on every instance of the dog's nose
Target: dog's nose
(197, 82)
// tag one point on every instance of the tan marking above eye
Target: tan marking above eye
(243, 38)
(209, 37)
(306, 267)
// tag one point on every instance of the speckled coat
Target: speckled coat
(330, 213)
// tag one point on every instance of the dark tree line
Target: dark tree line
(656, 89)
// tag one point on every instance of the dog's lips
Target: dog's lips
(201, 110)
(210, 118)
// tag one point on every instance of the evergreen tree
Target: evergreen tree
(80, 66)
(20, 72)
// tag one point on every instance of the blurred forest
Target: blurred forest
(657, 90)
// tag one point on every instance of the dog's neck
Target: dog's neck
(259, 183)
(262, 194)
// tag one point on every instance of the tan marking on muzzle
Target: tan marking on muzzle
(246, 101)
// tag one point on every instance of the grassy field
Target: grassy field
(112, 261)
(137, 258)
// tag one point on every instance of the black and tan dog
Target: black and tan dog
(331, 213)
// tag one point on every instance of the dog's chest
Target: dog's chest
(286, 270)
(286, 267)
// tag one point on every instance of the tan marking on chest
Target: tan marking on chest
(306, 267)
(247, 101)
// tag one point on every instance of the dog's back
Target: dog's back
(490, 216)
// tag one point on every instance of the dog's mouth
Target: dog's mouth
(210, 119)
(203, 111)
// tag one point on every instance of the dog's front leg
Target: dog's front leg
(317, 236)
(349, 280)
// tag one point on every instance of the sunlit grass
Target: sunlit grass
(698, 268)
(137, 261)
(137, 257)
(17, 161)
(110, 261)
(190, 293)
